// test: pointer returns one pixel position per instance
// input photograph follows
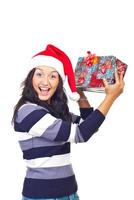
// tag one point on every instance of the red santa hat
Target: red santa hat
(54, 57)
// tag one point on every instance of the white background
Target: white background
(104, 165)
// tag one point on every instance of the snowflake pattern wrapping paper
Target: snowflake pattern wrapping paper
(91, 70)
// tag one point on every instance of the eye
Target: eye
(39, 74)
(53, 76)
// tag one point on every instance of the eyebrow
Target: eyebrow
(42, 70)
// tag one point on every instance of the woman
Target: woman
(46, 127)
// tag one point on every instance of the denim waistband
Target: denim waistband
(70, 197)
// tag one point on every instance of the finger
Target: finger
(121, 76)
(122, 79)
(79, 89)
(105, 82)
(116, 76)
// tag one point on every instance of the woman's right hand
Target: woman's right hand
(81, 92)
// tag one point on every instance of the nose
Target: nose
(45, 80)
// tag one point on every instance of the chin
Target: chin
(44, 98)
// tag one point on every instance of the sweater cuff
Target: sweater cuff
(85, 112)
(91, 124)
(100, 114)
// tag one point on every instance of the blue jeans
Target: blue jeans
(70, 197)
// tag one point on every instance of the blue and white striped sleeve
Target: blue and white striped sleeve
(33, 122)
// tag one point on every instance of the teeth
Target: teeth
(44, 89)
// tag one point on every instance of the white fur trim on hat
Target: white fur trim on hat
(49, 61)
(74, 96)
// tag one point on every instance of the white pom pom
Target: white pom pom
(74, 96)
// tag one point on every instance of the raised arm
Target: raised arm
(112, 92)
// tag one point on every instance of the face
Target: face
(45, 82)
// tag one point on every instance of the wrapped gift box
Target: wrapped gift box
(91, 70)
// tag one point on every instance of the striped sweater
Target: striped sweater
(45, 143)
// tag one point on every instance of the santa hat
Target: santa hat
(54, 57)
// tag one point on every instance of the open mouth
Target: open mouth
(44, 91)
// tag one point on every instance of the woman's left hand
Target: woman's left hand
(115, 89)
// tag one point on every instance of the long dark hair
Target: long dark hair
(58, 106)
